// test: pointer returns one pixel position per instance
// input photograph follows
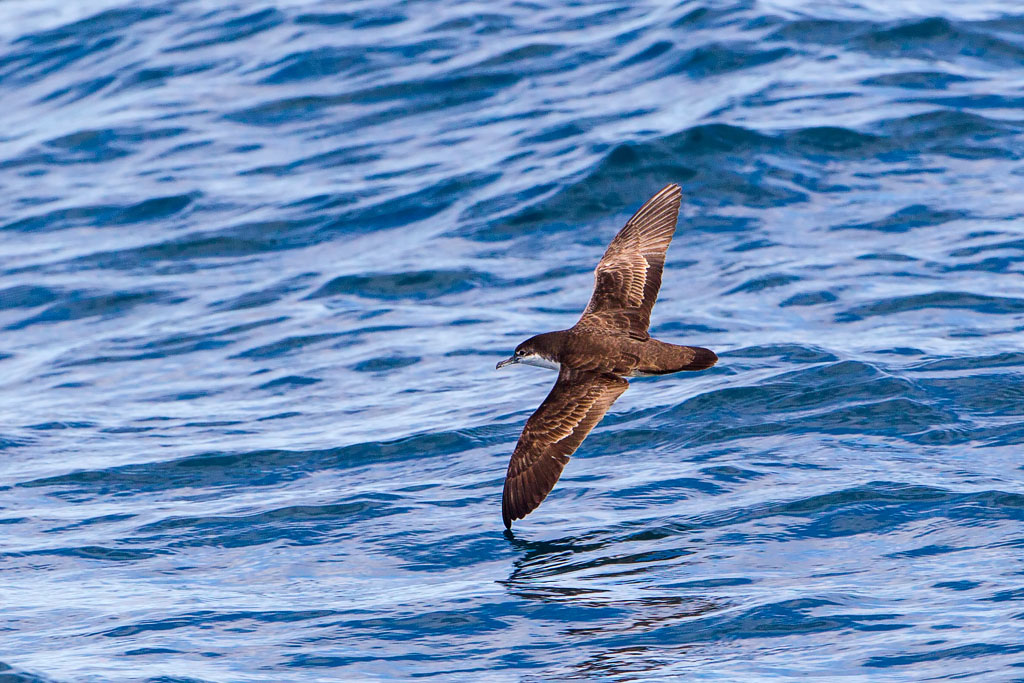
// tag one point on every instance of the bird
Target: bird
(608, 343)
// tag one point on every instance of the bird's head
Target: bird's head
(537, 351)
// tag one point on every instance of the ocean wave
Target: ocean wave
(259, 263)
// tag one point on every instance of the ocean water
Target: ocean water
(258, 260)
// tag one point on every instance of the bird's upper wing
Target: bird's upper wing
(627, 280)
(576, 403)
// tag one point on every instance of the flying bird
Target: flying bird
(610, 341)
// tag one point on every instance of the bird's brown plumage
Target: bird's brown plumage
(609, 341)
(575, 404)
(628, 277)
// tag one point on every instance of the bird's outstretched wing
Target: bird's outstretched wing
(576, 403)
(627, 280)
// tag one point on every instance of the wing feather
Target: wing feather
(628, 277)
(574, 406)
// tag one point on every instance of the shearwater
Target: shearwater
(609, 342)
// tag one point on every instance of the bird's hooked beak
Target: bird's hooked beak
(508, 361)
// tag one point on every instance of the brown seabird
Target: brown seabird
(609, 342)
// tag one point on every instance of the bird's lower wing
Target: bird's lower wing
(575, 405)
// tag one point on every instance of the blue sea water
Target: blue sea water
(258, 260)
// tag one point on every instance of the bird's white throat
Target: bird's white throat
(540, 362)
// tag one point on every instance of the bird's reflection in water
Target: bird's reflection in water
(626, 663)
(586, 576)
(597, 549)
(557, 556)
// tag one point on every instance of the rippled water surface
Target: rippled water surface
(257, 263)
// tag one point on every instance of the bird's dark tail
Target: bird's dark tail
(661, 358)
